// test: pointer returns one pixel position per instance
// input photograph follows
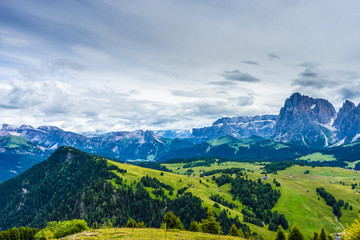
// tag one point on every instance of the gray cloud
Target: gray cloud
(350, 92)
(236, 75)
(223, 83)
(273, 56)
(314, 77)
(246, 100)
(310, 64)
(250, 62)
(317, 83)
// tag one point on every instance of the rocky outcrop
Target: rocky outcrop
(240, 127)
(347, 122)
(306, 120)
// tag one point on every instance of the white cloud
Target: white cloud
(141, 64)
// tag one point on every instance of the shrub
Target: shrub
(353, 232)
(61, 229)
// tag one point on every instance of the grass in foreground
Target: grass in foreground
(145, 233)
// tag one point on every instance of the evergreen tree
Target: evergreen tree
(210, 225)
(295, 234)
(172, 221)
(280, 235)
(195, 227)
(234, 231)
(322, 235)
(315, 236)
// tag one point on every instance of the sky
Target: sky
(87, 65)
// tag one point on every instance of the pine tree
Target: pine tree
(280, 235)
(315, 236)
(322, 235)
(234, 231)
(172, 221)
(195, 227)
(295, 234)
(210, 225)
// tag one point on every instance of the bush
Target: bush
(61, 229)
(353, 232)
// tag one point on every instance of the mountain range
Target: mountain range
(304, 125)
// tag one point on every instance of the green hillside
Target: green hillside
(18, 144)
(299, 200)
(72, 184)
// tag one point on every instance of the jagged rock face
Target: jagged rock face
(172, 134)
(348, 122)
(305, 120)
(240, 127)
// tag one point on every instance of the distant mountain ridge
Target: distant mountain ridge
(303, 121)
(123, 145)
(240, 127)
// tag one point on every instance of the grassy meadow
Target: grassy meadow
(145, 233)
(299, 200)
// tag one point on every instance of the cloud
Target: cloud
(60, 69)
(352, 92)
(314, 77)
(236, 75)
(310, 64)
(317, 83)
(61, 64)
(199, 93)
(245, 100)
(223, 83)
(250, 62)
(273, 56)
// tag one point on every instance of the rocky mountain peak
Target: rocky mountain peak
(8, 127)
(347, 107)
(49, 128)
(302, 119)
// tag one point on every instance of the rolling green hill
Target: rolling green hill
(73, 184)
(299, 200)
